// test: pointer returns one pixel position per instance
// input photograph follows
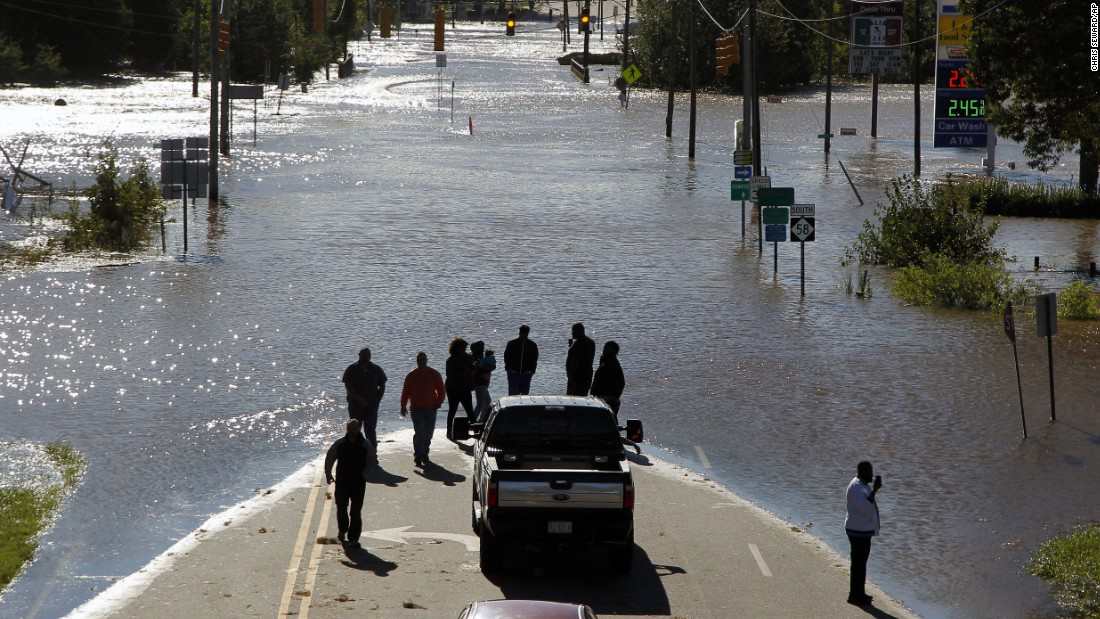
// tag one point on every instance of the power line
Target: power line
(720, 26)
(102, 9)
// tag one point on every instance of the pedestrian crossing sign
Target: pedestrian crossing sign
(632, 74)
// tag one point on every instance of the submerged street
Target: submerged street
(365, 216)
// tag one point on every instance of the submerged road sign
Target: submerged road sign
(743, 172)
(759, 182)
(775, 233)
(778, 215)
(776, 196)
(632, 74)
(803, 223)
(740, 190)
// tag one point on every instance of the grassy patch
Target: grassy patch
(971, 285)
(25, 513)
(1071, 564)
(22, 257)
(997, 196)
(68, 460)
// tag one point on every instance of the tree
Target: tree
(11, 61)
(159, 30)
(1032, 57)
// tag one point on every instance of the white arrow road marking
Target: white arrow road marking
(401, 535)
(760, 561)
(702, 457)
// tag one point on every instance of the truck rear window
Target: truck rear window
(559, 428)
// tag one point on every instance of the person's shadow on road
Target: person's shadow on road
(877, 613)
(435, 472)
(379, 475)
(362, 559)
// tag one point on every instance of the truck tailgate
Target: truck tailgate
(561, 489)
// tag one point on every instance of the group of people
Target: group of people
(469, 370)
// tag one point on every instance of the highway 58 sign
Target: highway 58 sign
(802, 223)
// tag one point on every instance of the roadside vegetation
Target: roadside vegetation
(997, 196)
(123, 214)
(942, 247)
(1071, 565)
(1078, 302)
(25, 513)
(42, 43)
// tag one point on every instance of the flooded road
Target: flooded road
(365, 217)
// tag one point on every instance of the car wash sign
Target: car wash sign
(960, 100)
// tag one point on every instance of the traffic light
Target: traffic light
(510, 25)
(586, 20)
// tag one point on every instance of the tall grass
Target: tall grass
(1071, 564)
(997, 196)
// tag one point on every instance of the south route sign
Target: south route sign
(803, 223)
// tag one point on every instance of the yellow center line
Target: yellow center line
(315, 560)
(299, 545)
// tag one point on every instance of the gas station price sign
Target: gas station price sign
(960, 100)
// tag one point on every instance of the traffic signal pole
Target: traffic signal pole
(757, 168)
(587, 24)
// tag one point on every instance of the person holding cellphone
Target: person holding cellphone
(861, 524)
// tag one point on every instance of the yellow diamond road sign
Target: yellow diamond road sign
(632, 74)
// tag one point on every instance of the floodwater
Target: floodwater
(364, 216)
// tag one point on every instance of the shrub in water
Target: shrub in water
(1077, 302)
(938, 280)
(919, 221)
(123, 212)
(1071, 564)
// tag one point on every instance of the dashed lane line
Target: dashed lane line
(299, 546)
(702, 457)
(760, 561)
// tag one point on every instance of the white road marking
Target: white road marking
(299, 546)
(315, 560)
(401, 535)
(760, 561)
(702, 457)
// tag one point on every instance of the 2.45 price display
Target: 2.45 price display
(959, 105)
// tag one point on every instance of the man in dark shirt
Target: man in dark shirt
(354, 454)
(521, 357)
(578, 363)
(365, 383)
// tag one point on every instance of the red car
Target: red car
(525, 609)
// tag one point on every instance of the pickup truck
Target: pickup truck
(552, 471)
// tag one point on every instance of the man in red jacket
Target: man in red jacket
(423, 393)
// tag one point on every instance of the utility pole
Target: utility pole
(214, 101)
(691, 73)
(195, 49)
(626, 34)
(224, 144)
(601, 20)
(829, 86)
(671, 102)
(744, 141)
(916, 87)
(757, 168)
(874, 105)
(565, 25)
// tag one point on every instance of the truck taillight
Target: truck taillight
(628, 496)
(491, 495)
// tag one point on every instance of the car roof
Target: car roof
(552, 400)
(525, 609)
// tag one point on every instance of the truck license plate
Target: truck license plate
(559, 526)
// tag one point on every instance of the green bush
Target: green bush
(925, 220)
(972, 285)
(1077, 302)
(123, 214)
(997, 196)
(11, 61)
(47, 67)
(1071, 564)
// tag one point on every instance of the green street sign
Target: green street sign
(632, 74)
(821, 136)
(775, 196)
(776, 215)
(740, 190)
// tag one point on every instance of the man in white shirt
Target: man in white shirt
(861, 524)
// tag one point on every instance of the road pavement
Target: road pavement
(702, 552)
